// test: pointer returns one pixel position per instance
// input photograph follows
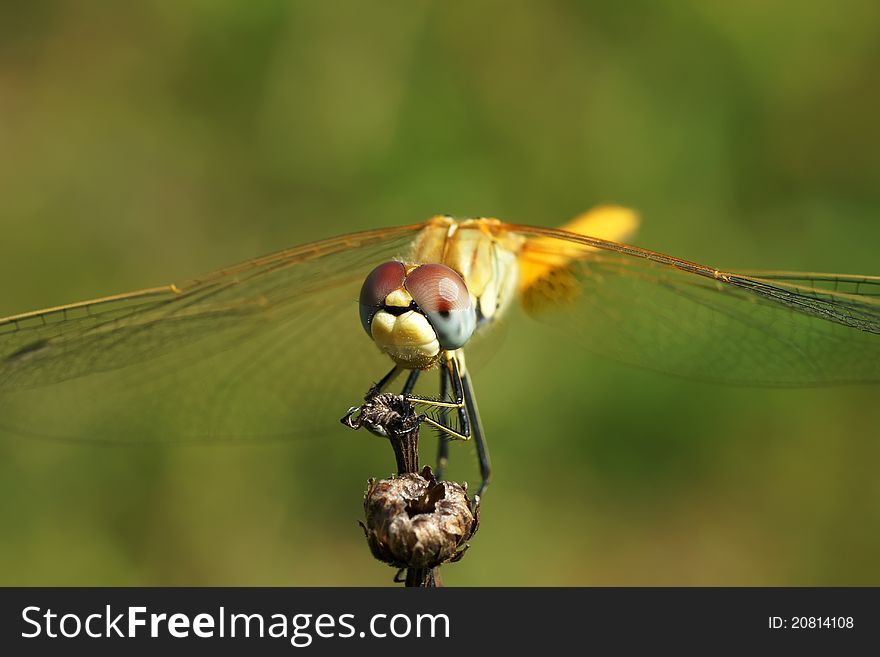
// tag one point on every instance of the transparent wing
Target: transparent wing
(662, 313)
(266, 349)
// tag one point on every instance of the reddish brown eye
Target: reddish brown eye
(443, 297)
(379, 283)
(436, 288)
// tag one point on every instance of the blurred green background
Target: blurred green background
(144, 143)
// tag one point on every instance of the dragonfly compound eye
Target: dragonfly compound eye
(441, 294)
(380, 282)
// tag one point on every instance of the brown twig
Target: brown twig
(413, 521)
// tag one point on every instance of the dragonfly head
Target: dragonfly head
(416, 312)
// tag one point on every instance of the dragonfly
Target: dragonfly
(256, 350)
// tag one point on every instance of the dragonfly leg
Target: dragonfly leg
(388, 378)
(410, 383)
(445, 406)
(479, 438)
(350, 419)
(462, 401)
(411, 380)
(443, 445)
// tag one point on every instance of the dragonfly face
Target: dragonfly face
(413, 313)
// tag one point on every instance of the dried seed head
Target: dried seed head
(415, 521)
(384, 414)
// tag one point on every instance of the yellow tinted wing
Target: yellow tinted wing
(614, 223)
(254, 350)
(672, 315)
